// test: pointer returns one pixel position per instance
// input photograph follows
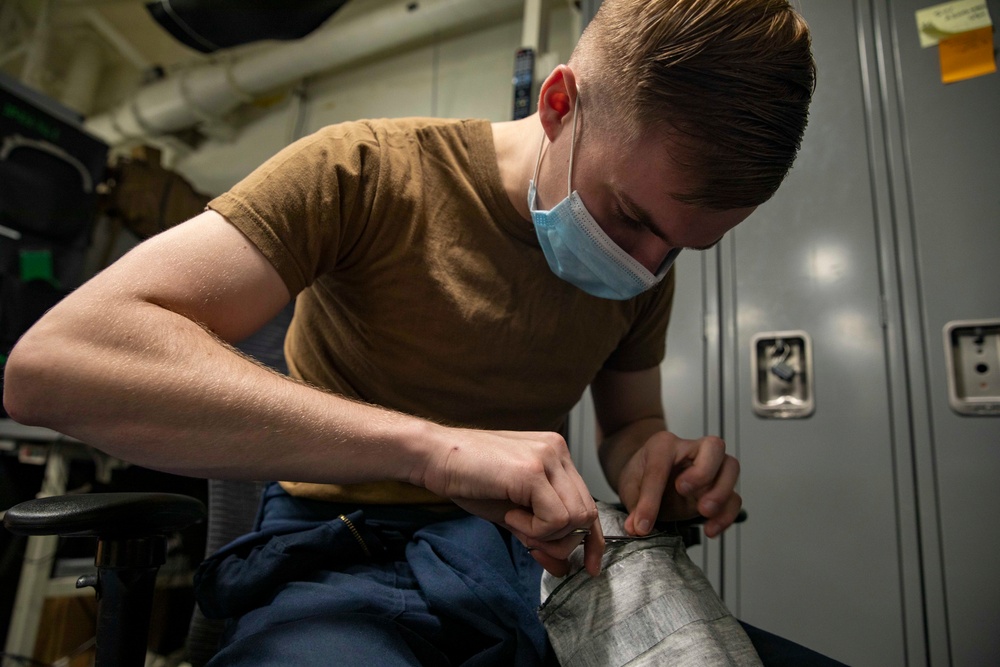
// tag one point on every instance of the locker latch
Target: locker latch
(782, 374)
(972, 353)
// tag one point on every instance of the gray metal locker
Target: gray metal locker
(901, 173)
(870, 473)
(943, 159)
(820, 559)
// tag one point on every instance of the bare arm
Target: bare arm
(655, 473)
(135, 363)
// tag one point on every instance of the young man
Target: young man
(458, 285)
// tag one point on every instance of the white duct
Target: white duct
(208, 92)
(33, 72)
(83, 76)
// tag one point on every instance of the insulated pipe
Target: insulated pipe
(33, 72)
(83, 76)
(211, 91)
(116, 40)
(535, 28)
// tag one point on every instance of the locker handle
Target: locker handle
(782, 374)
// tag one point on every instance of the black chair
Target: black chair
(131, 531)
(232, 508)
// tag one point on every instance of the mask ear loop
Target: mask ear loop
(572, 145)
(538, 161)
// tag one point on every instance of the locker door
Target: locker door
(819, 560)
(947, 194)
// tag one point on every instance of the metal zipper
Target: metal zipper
(357, 535)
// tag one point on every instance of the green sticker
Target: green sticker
(37, 265)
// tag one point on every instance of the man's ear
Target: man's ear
(556, 99)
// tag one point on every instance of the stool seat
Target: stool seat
(137, 514)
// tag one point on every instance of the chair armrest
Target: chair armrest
(105, 515)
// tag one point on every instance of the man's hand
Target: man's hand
(670, 478)
(656, 474)
(525, 482)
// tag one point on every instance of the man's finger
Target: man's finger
(593, 549)
(557, 567)
(547, 517)
(714, 499)
(709, 455)
(553, 555)
(655, 473)
(575, 495)
(725, 518)
(586, 497)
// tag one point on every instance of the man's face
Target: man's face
(628, 194)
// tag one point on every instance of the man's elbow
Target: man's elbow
(28, 389)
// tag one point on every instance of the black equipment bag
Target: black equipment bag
(210, 25)
(45, 191)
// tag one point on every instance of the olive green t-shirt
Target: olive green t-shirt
(421, 289)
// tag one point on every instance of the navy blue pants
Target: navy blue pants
(387, 586)
(321, 584)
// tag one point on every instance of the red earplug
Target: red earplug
(560, 103)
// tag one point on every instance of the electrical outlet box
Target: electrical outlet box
(972, 353)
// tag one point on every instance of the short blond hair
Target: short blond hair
(726, 82)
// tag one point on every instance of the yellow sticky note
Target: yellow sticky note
(951, 18)
(967, 55)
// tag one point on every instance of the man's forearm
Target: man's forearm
(152, 387)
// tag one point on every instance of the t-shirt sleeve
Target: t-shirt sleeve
(306, 207)
(645, 345)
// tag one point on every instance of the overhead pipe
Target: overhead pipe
(116, 39)
(83, 76)
(209, 92)
(33, 72)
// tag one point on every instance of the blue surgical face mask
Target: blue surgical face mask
(578, 250)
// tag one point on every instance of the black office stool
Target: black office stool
(131, 531)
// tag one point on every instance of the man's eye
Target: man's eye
(626, 220)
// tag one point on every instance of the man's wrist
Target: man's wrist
(419, 441)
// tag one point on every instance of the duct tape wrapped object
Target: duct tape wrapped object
(650, 606)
